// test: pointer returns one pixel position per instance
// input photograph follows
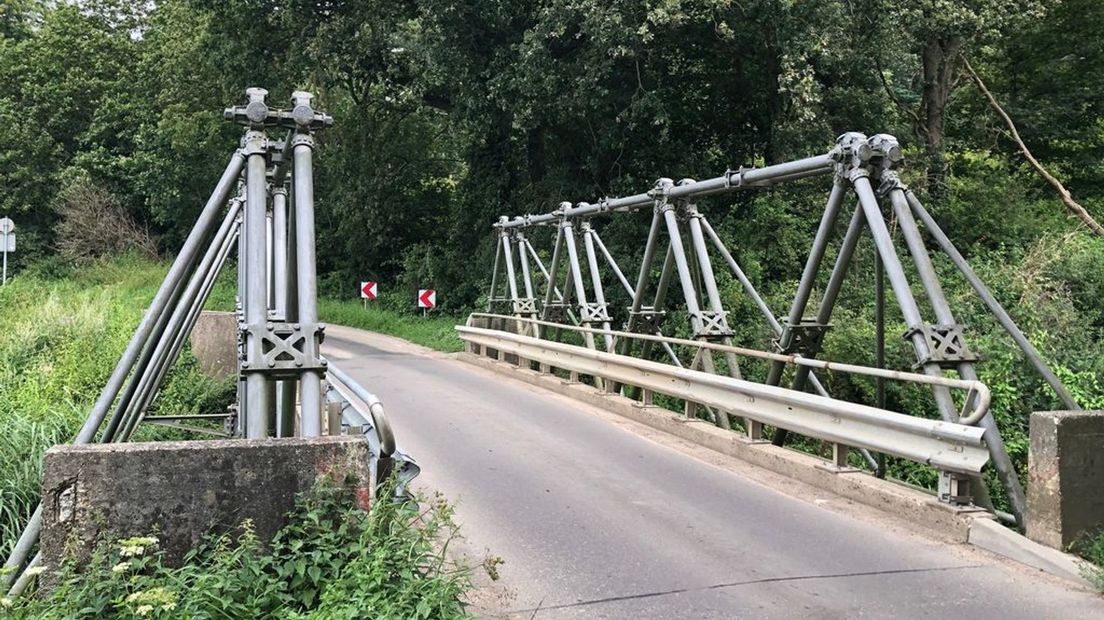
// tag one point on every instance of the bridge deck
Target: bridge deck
(599, 518)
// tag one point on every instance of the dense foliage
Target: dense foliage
(333, 560)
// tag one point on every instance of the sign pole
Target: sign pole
(7, 236)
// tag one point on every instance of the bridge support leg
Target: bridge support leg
(1006, 472)
(907, 303)
(258, 404)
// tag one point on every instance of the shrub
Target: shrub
(331, 560)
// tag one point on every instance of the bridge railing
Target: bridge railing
(948, 446)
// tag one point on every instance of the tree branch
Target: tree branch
(1072, 205)
(889, 91)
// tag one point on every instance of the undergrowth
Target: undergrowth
(62, 330)
(332, 560)
(1091, 549)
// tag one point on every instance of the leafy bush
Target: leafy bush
(332, 560)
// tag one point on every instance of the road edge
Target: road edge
(972, 526)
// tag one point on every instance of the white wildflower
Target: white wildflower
(36, 570)
(121, 567)
(5, 602)
(143, 610)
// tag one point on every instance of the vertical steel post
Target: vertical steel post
(285, 389)
(879, 347)
(596, 279)
(258, 405)
(310, 383)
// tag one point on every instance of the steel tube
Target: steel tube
(596, 278)
(258, 405)
(575, 272)
(613, 265)
(749, 288)
(280, 251)
(494, 274)
(285, 390)
(1006, 472)
(808, 275)
(683, 268)
(182, 334)
(310, 383)
(819, 164)
(553, 274)
(183, 262)
(511, 277)
(176, 329)
(1029, 350)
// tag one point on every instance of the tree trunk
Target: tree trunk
(939, 58)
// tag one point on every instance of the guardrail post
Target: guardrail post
(648, 398)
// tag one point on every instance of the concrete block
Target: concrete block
(215, 343)
(183, 490)
(1065, 491)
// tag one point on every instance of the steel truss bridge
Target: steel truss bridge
(533, 305)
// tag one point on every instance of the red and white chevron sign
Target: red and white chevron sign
(427, 298)
(369, 290)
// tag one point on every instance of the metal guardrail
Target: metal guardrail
(945, 445)
(373, 417)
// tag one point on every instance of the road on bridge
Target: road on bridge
(598, 517)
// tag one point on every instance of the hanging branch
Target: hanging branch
(1072, 205)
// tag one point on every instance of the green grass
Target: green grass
(433, 331)
(61, 332)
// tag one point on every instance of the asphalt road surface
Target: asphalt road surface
(597, 517)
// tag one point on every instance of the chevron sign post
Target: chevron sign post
(369, 290)
(427, 298)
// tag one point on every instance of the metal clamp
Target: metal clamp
(647, 321)
(525, 305)
(593, 313)
(282, 349)
(804, 338)
(946, 345)
(711, 324)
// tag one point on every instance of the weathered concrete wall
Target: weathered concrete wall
(184, 489)
(1065, 494)
(215, 343)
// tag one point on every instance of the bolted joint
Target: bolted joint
(304, 116)
(886, 150)
(302, 139)
(735, 178)
(852, 152)
(891, 181)
(254, 143)
(659, 194)
(281, 190)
